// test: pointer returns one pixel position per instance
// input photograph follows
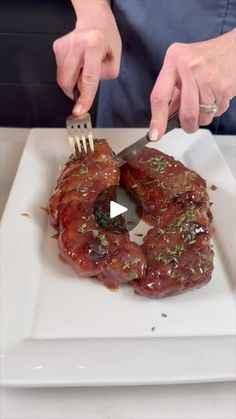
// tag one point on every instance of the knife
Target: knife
(135, 148)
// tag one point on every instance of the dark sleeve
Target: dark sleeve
(30, 96)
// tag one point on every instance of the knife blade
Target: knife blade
(135, 148)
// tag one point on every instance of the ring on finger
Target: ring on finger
(208, 108)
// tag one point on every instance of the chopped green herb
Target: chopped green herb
(160, 258)
(73, 157)
(77, 188)
(105, 221)
(82, 228)
(83, 169)
(103, 243)
(95, 233)
(139, 234)
(177, 252)
(135, 261)
(194, 176)
(133, 275)
(190, 214)
(173, 275)
(160, 164)
(125, 266)
(174, 255)
(103, 240)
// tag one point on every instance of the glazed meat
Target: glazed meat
(176, 254)
(83, 244)
(175, 202)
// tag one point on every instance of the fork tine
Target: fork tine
(83, 137)
(91, 143)
(83, 140)
(72, 144)
(90, 134)
(78, 143)
(80, 134)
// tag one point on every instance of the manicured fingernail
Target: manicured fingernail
(154, 133)
(78, 109)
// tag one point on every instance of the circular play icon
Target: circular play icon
(117, 210)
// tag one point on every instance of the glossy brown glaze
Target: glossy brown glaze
(178, 250)
(176, 254)
(83, 244)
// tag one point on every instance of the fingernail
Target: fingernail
(154, 133)
(78, 109)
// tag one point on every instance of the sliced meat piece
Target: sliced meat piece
(82, 180)
(124, 265)
(83, 244)
(176, 254)
(178, 251)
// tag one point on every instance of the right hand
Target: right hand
(89, 53)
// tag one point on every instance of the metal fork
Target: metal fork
(79, 131)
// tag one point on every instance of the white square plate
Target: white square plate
(60, 330)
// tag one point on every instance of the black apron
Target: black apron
(29, 94)
(147, 28)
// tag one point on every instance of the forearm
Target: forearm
(233, 35)
(77, 4)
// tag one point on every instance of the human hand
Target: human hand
(193, 74)
(89, 53)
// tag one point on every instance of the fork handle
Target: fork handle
(76, 93)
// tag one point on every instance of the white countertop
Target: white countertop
(193, 401)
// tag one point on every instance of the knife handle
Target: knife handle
(173, 122)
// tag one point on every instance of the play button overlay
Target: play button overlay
(117, 210)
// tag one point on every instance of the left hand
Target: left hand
(193, 74)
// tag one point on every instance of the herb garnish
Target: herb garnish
(160, 164)
(105, 221)
(128, 264)
(174, 255)
(79, 188)
(135, 261)
(82, 228)
(73, 157)
(103, 243)
(133, 275)
(83, 169)
(177, 252)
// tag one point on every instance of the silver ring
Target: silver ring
(208, 108)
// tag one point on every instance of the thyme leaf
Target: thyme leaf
(133, 275)
(81, 229)
(160, 164)
(83, 169)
